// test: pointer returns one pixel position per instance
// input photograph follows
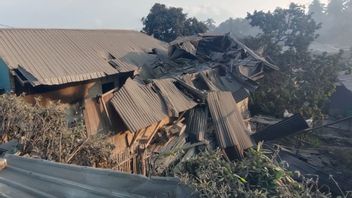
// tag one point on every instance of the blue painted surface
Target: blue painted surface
(5, 82)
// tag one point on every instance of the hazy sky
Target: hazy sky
(122, 14)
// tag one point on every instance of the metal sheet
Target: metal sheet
(197, 123)
(229, 125)
(138, 105)
(58, 56)
(25, 177)
(179, 101)
(284, 128)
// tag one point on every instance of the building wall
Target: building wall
(5, 82)
(71, 94)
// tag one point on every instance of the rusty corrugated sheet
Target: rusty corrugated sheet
(179, 101)
(138, 105)
(58, 56)
(229, 125)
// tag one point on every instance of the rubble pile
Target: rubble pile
(192, 98)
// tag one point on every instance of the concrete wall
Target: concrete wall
(5, 82)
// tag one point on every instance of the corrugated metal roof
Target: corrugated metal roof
(197, 122)
(58, 56)
(141, 105)
(282, 129)
(211, 80)
(179, 101)
(229, 125)
(26, 177)
(138, 105)
(255, 55)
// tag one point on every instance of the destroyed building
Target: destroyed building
(179, 100)
(150, 97)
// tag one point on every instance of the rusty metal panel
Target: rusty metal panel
(59, 56)
(230, 129)
(138, 105)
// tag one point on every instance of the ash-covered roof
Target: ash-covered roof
(59, 56)
(26, 177)
(138, 105)
(230, 130)
(177, 100)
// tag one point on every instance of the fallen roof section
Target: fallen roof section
(138, 105)
(175, 98)
(26, 177)
(197, 123)
(230, 129)
(59, 56)
(281, 129)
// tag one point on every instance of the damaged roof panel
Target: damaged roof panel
(229, 125)
(141, 105)
(138, 105)
(169, 91)
(281, 129)
(197, 122)
(58, 56)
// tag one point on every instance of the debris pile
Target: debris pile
(195, 97)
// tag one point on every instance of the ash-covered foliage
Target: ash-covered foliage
(257, 175)
(44, 132)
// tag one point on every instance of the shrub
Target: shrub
(44, 132)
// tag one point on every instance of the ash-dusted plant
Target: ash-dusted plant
(257, 175)
(44, 132)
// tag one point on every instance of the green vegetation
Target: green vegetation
(305, 80)
(257, 175)
(168, 23)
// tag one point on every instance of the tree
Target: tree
(192, 26)
(239, 27)
(317, 10)
(335, 8)
(210, 23)
(305, 81)
(168, 23)
(291, 27)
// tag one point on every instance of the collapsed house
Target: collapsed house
(151, 98)
(191, 96)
